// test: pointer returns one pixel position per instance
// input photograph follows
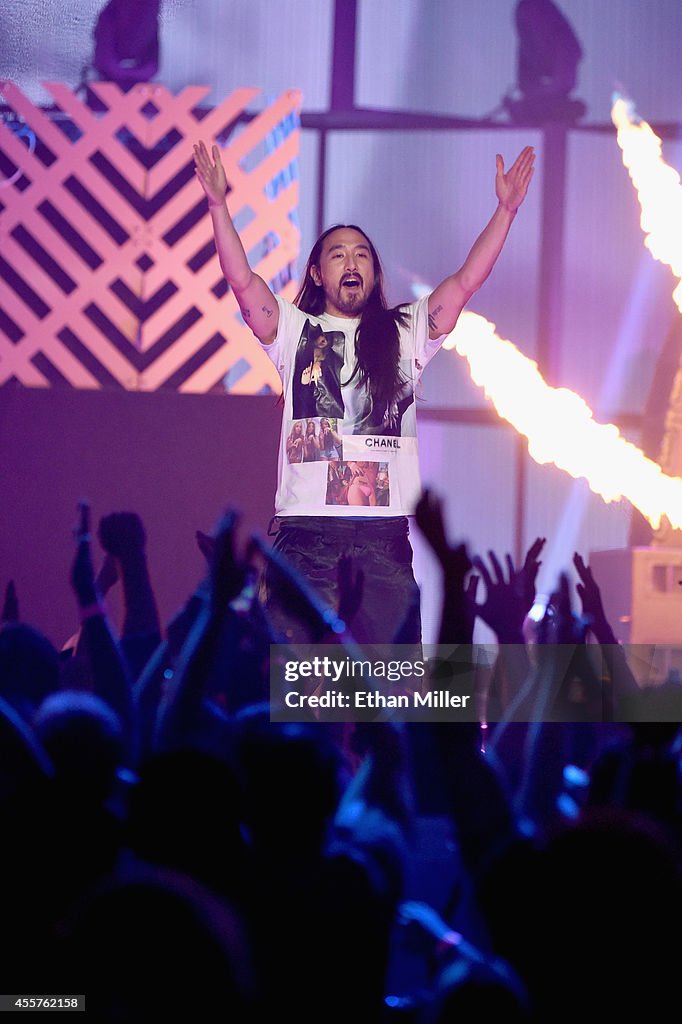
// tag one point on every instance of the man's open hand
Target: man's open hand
(511, 187)
(210, 173)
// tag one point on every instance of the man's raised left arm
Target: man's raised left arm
(448, 300)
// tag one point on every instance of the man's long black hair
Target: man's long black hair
(377, 339)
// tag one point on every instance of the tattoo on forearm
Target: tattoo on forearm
(267, 311)
(433, 318)
(246, 313)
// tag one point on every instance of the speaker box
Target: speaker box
(642, 593)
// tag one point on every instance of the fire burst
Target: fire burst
(560, 427)
(658, 188)
(557, 422)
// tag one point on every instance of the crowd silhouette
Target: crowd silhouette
(169, 848)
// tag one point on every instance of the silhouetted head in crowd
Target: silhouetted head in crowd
(290, 777)
(29, 668)
(608, 911)
(84, 740)
(184, 815)
(471, 991)
(158, 947)
(24, 765)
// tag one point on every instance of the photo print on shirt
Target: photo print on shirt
(314, 440)
(317, 383)
(318, 368)
(361, 484)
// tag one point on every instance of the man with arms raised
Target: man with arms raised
(341, 352)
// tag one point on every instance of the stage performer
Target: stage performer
(340, 352)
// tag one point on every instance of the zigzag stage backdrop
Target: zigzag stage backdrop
(108, 271)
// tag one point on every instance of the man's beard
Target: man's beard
(350, 300)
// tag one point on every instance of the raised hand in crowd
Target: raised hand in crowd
(429, 518)
(180, 712)
(122, 532)
(571, 690)
(383, 781)
(206, 544)
(593, 608)
(559, 624)
(228, 568)
(302, 601)
(323, 623)
(509, 597)
(82, 571)
(623, 681)
(508, 600)
(97, 643)
(150, 686)
(107, 575)
(528, 573)
(216, 671)
(563, 698)
(489, 977)
(122, 535)
(457, 618)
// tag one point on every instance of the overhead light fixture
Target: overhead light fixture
(127, 42)
(547, 65)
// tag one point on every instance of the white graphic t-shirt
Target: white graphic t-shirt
(337, 455)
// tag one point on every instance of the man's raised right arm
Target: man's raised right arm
(256, 301)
